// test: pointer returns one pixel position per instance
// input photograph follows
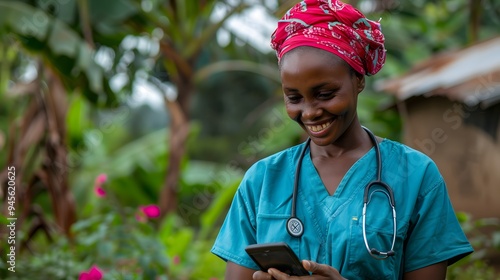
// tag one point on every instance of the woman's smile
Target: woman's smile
(318, 129)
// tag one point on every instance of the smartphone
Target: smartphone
(276, 255)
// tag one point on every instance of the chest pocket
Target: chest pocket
(379, 234)
(272, 228)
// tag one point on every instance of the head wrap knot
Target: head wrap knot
(333, 26)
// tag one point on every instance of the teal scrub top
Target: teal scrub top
(428, 231)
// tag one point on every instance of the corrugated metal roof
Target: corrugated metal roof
(470, 76)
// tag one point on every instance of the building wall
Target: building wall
(465, 147)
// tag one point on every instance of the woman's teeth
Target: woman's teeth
(318, 128)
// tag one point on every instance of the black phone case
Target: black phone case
(276, 255)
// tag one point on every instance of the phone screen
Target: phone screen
(278, 256)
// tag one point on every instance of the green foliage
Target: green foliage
(189, 248)
(59, 45)
(123, 246)
(118, 244)
(484, 235)
(475, 270)
(372, 114)
(206, 191)
(57, 263)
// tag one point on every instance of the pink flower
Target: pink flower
(176, 260)
(151, 211)
(147, 212)
(94, 273)
(101, 178)
(99, 181)
(99, 191)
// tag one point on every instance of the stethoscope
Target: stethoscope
(295, 227)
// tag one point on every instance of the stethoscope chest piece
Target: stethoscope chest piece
(294, 227)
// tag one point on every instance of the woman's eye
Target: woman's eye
(293, 98)
(324, 95)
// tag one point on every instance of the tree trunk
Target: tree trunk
(55, 165)
(40, 136)
(474, 20)
(179, 131)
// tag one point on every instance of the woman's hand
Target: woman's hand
(319, 271)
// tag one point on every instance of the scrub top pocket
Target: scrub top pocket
(361, 263)
(272, 228)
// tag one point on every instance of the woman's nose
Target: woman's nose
(310, 111)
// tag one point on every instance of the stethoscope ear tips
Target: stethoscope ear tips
(374, 251)
(389, 253)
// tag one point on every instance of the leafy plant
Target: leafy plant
(484, 235)
(189, 247)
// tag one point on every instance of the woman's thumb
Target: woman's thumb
(321, 269)
(311, 266)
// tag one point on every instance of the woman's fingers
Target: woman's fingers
(261, 275)
(319, 271)
(322, 270)
(278, 275)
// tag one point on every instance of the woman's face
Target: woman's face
(320, 93)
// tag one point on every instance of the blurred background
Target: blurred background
(126, 125)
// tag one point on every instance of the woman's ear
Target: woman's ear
(360, 82)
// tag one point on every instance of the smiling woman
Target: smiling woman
(345, 189)
(319, 90)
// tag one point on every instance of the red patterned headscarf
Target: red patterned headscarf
(333, 26)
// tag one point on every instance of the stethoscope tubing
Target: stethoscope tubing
(295, 226)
